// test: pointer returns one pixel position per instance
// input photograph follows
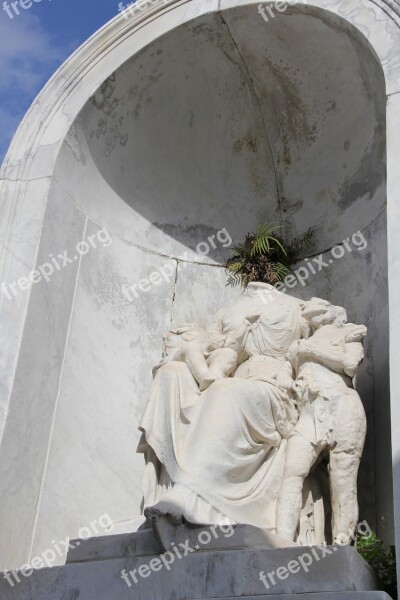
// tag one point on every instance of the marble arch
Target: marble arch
(42, 380)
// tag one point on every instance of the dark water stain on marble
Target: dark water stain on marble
(370, 175)
(71, 594)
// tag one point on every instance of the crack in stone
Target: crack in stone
(277, 184)
(173, 298)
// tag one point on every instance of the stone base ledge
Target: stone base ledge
(111, 569)
(317, 596)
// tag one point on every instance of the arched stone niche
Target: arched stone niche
(185, 120)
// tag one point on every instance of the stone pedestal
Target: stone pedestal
(129, 566)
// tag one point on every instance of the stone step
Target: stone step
(311, 573)
(317, 596)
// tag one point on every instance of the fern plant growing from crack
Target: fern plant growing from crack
(263, 256)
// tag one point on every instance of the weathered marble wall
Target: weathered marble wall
(222, 123)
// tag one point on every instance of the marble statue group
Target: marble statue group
(256, 420)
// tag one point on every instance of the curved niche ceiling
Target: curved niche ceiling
(230, 120)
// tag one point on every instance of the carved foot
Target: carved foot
(163, 526)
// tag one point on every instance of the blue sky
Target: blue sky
(34, 44)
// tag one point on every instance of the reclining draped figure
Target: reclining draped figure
(256, 421)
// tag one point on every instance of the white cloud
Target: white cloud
(27, 52)
(28, 57)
